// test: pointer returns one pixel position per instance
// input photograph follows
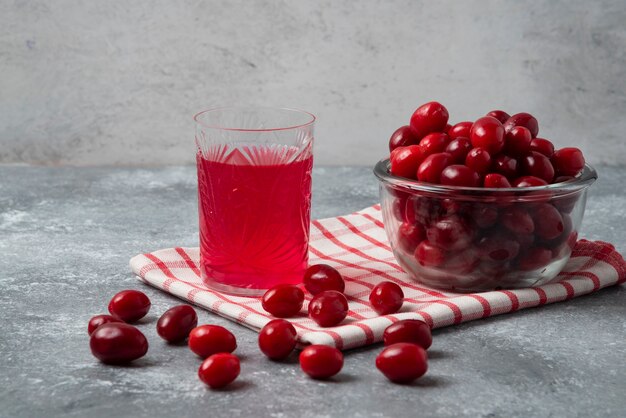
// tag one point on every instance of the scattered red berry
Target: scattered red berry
(321, 277)
(277, 339)
(219, 370)
(283, 300)
(98, 320)
(328, 308)
(176, 323)
(206, 340)
(116, 343)
(402, 362)
(409, 331)
(386, 298)
(321, 361)
(129, 305)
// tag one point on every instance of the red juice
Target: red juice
(254, 218)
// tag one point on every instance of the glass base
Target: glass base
(232, 290)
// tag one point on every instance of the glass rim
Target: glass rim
(198, 116)
(381, 170)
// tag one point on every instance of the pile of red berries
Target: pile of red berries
(495, 151)
(114, 341)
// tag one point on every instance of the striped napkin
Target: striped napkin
(357, 246)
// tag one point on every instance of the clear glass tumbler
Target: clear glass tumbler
(254, 196)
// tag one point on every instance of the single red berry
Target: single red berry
(494, 180)
(548, 221)
(459, 175)
(277, 339)
(501, 115)
(219, 370)
(523, 119)
(207, 340)
(405, 161)
(458, 149)
(488, 133)
(497, 247)
(434, 143)
(479, 160)
(429, 117)
(402, 362)
(542, 146)
(283, 300)
(328, 308)
(98, 320)
(538, 165)
(535, 258)
(386, 298)
(116, 343)
(402, 137)
(176, 323)
(517, 142)
(450, 233)
(129, 305)
(320, 277)
(430, 169)
(429, 255)
(461, 129)
(505, 165)
(568, 161)
(321, 361)
(529, 181)
(409, 331)
(409, 235)
(517, 220)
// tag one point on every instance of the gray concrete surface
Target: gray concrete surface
(116, 82)
(66, 235)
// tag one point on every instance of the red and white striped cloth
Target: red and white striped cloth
(357, 246)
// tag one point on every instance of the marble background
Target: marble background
(117, 82)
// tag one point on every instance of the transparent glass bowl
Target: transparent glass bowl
(469, 239)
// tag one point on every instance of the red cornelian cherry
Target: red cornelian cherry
(458, 149)
(461, 129)
(409, 235)
(434, 143)
(321, 277)
(505, 165)
(459, 175)
(411, 331)
(430, 169)
(116, 343)
(479, 160)
(176, 323)
(328, 308)
(277, 339)
(497, 247)
(568, 161)
(402, 137)
(488, 133)
(548, 221)
(283, 300)
(402, 362)
(428, 118)
(219, 370)
(529, 181)
(321, 361)
(406, 160)
(450, 233)
(495, 180)
(428, 255)
(538, 165)
(207, 340)
(386, 298)
(501, 115)
(517, 143)
(542, 146)
(517, 220)
(523, 119)
(129, 305)
(535, 258)
(98, 320)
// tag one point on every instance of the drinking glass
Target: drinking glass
(254, 196)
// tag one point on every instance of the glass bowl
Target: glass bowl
(468, 239)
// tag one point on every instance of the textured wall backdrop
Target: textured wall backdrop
(116, 82)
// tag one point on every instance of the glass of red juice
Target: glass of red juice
(254, 196)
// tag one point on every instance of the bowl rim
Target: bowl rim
(583, 180)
